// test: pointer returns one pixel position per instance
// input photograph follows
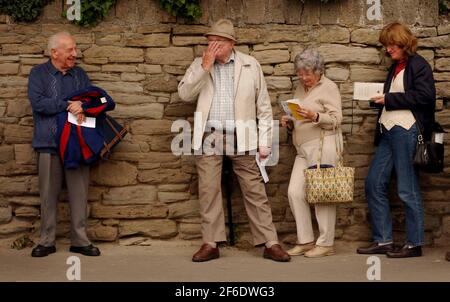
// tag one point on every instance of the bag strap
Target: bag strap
(339, 147)
(338, 144)
(113, 128)
(319, 158)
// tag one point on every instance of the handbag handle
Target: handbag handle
(338, 140)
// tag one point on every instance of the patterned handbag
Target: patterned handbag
(330, 185)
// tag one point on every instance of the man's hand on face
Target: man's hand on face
(75, 107)
(210, 54)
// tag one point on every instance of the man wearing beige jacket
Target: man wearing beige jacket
(231, 96)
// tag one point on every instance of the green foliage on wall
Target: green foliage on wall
(444, 7)
(188, 9)
(23, 11)
(94, 11)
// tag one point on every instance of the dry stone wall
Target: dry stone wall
(139, 53)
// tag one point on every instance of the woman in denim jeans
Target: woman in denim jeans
(408, 103)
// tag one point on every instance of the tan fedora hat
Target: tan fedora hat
(223, 28)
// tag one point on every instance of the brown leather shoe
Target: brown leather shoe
(276, 253)
(206, 253)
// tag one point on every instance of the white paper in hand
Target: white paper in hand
(262, 167)
(89, 122)
(365, 91)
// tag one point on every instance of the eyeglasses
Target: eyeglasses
(305, 75)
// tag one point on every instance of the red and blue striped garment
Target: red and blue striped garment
(82, 145)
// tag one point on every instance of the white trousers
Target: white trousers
(307, 155)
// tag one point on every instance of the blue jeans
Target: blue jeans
(396, 151)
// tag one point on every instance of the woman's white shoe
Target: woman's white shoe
(320, 251)
(300, 249)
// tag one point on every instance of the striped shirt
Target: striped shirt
(221, 115)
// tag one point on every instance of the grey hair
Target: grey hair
(53, 41)
(310, 59)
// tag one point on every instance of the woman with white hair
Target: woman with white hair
(320, 107)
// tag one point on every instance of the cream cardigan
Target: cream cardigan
(323, 98)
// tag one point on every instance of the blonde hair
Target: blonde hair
(399, 34)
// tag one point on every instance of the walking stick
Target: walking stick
(227, 173)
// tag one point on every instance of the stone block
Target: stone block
(154, 228)
(119, 68)
(140, 194)
(129, 212)
(170, 197)
(442, 64)
(170, 56)
(124, 87)
(164, 83)
(334, 34)
(151, 40)
(14, 49)
(15, 226)
(5, 214)
(337, 74)
(25, 154)
(164, 176)
(278, 83)
(100, 232)
(360, 73)
(18, 134)
(18, 108)
(151, 127)
(347, 54)
(6, 153)
(9, 68)
(114, 174)
(26, 212)
(184, 209)
(271, 56)
(366, 36)
(152, 69)
(189, 40)
(115, 53)
(151, 111)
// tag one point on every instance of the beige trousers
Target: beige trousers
(51, 175)
(307, 155)
(209, 168)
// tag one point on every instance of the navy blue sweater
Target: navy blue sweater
(419, 95)
(47, 89)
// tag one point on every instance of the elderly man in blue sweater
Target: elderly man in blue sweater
(49, 84)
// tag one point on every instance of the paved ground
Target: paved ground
(171, 261)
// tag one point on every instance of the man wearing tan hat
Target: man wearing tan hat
(233, 109)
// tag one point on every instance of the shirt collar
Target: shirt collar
(54, 71)
(230, 59)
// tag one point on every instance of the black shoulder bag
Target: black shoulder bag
(429, 156)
